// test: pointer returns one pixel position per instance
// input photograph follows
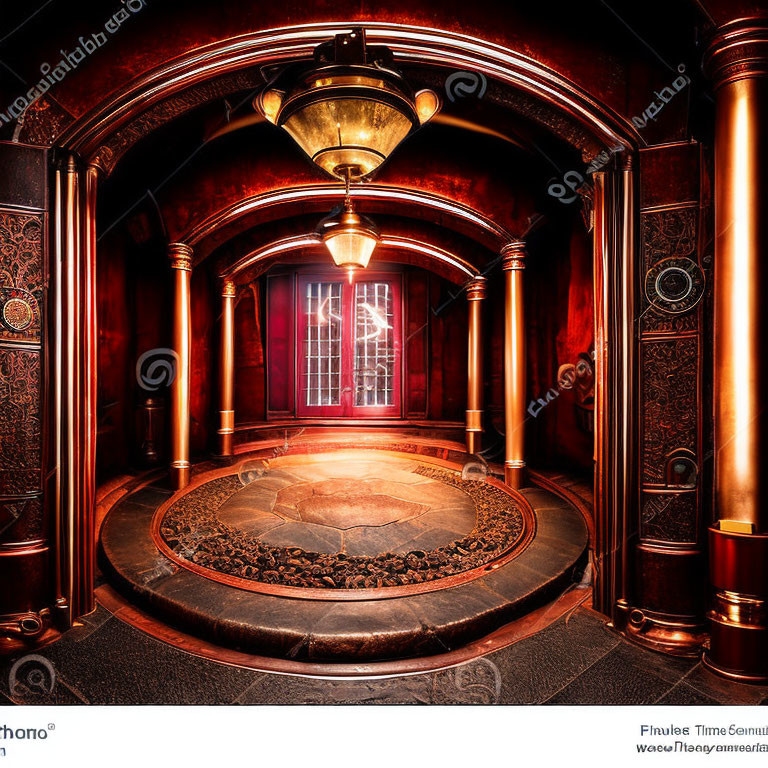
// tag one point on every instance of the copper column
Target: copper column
(475, 296)
(227, 370)
(181, 264)
(74, 386)
(737, 60)
(513, 264)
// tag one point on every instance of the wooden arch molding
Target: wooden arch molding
(460, 269)
(156, 97)
(431, 207)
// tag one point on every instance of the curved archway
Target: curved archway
(614, 204)
(462, 269)
(462, 217)
(281, 45)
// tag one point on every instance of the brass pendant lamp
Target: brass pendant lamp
(348, 112)
(349, 236)
(351, 109)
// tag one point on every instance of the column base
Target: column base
(738, 619)
(738, 651)
(226, 444)
(515, 474)
(659, 633)
(179, 475)
(474, 441)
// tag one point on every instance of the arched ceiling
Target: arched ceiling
(169, 94)
(593, 47)
(478, 186)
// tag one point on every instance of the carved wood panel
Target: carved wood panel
(669, 402)
(670, 369)
(21, 276)
(669, 516)
(20, 421)
(22, 519)
(666, 234)
(25, 519)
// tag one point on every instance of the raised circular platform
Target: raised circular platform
(340, 556)
(341, 526)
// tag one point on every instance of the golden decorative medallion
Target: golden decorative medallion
(674, 285)
(17, 314)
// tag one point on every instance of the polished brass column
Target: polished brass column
(73, 333)
(227, 370)
(737, 60)
(513, 264)
(476, 293)
(181, 264)
(85, 601)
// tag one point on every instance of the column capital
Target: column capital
(476, 288)
(228, 289)
(513, 256)
(737, 50)
(180, 255)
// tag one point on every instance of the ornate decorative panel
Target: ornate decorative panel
(21, 276)
(669, 517)
(25, 518)
(672, 286)
(668, 234)
(669, 402)
(22, 519)
(20, 421)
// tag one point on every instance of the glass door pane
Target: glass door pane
(322, 328)
(374, 348)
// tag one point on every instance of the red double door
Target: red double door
(349, 346)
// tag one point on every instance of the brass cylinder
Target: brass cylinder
(741, 312)
(513, 264)
(476, 292)
(227, 370)
(737, 60)
(74, 387)
(86, 600)
(180, 256)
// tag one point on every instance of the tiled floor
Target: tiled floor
(357, 507)
(576, 660)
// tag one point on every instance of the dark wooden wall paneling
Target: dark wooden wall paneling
(670, 524)
(25, 520)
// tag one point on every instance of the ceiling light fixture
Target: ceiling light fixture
(351, 109)
(349, 237)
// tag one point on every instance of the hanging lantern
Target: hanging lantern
(349, 237)
(350, 111)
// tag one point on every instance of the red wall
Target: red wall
(559, 313)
